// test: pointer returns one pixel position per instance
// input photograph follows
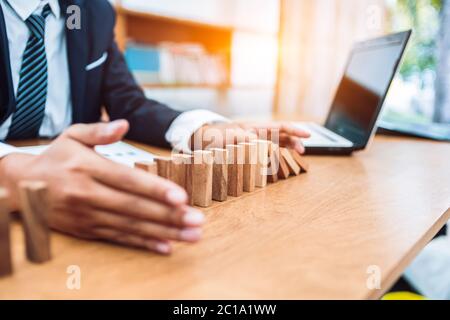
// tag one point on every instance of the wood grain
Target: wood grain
(284, 171)
(250, 162)
(220, 175)
(263, 161)
(34, 212)
(301, 161)
(178, 167)
(308, 237)
(164, 165)
(150, 167)
(293, 166)
(5, 242)
(203, 178)
(235, 170)
(274, 163)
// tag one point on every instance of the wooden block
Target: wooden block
(283, 172)
(150, 167)
(5, 241)
(294, 168)
(203, 177)
(235, 170)
(250, 161)
(34, 208)
(178, 169)
(263, 161)
(189, 180)
(304, 165)
(163, 165)
(220, 175)
(274, 163)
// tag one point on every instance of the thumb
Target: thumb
(98, 133)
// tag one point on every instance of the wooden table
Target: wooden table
(314, 236)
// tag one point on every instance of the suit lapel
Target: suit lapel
(7, 99)
(77, 54)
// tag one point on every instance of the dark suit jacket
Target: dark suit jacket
(110, 85)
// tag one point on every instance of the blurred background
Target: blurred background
(259, 57)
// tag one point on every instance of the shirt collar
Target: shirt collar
(25, 8)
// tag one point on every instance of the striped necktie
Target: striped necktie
(32, 92)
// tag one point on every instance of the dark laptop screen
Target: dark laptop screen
(363, 89)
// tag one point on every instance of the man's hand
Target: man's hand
(219, 135)
(94, 198)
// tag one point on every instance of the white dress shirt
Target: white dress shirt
(58, 110)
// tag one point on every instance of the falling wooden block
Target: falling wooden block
(262, 163)
(150, 167)
(250, 161)
(235, 170)
(274, 163)
(220, 175)
(304, 165)
(5, 242)
(163, 167)
(203, 178)
(283, 172)
(33, 197)
(294, 168)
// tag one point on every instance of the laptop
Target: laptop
(353, 117)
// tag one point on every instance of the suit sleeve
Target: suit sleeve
(124, 99)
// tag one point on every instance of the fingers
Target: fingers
(137, 182)
(99, 133)
(158, 246)
(144, 208)
(143, 228)
(288, 141)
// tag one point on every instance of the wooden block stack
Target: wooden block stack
(34, 211)
(217, 174)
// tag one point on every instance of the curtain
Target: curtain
(316, 37)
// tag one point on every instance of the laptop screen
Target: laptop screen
(364, 87)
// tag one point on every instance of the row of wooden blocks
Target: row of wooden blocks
(215, 174)
(34, 216)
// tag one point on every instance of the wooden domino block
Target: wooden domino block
(304, 165)
(250, 161)
(178, 169)
(274, 163)
(235, 170)
(163, 167)
(220, 175)
(34, 209)
(189, 180)
(263, 162)
(283, 172)
(294, 168)
(150, 167)
(203, 178)
(5, 242)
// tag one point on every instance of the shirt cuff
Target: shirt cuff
(6, 149)
(185, 125)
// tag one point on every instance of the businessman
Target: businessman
(54, 83)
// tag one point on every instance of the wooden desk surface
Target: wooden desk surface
(310, 237)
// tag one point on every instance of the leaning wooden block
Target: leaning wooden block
(203, 178)
(220, 175)
(283, 172)
(250, 161)
(274, 163)
(304, 165)
(163, 165)
(235, 170)
(150, 167)
(35, 208)
(263, 161)
(294, 168)
(5, 242)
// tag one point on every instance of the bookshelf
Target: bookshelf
(152, 29)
